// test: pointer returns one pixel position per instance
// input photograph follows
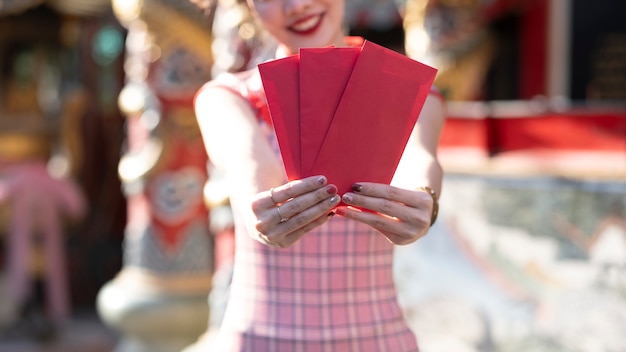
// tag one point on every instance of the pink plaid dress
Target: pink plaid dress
(332, 291)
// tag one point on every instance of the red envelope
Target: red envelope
(376, 115)
(324, 73)
(281, 83)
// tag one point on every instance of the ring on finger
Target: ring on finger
(280, 216)
(272, 195)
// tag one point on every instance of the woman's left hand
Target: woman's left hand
(401, 215)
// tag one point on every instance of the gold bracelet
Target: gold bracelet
(433, 194)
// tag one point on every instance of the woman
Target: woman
(305, 280)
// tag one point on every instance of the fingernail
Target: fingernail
(347, 198)
(357, 187)
(321, 180)
(340, 212)
(332, 189)
(334, 199)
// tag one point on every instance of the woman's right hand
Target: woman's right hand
(286, 213)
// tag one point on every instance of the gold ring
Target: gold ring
(282, 218)
(272, 195)
(433, 194)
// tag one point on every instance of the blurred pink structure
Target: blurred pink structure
(38, 202)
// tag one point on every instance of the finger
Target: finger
(272, 196)
(298, 187)
(410, 216)
(305, 201)
(269, 217)
(377, 221)
(302, 219)
(283, 193)
(298, 212)
(413, 198)
(281, 218)
(391, 201)
(396, 231)
(266, 240)
(295, 236)
(379, 205)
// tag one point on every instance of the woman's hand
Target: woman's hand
(286, 213)
(403, 216)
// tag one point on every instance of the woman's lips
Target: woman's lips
(307, 25)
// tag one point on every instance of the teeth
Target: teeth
(306, 25)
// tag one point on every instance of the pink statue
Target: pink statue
(38, 202)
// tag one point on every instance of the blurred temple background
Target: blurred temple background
(114, 229)
(61, 135)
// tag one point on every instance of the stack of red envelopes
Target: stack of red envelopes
(346, 113)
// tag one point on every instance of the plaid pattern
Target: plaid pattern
(332, 291)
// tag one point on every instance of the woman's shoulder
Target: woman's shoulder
(243, 83)
(246, 85)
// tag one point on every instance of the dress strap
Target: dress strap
(248, 86)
